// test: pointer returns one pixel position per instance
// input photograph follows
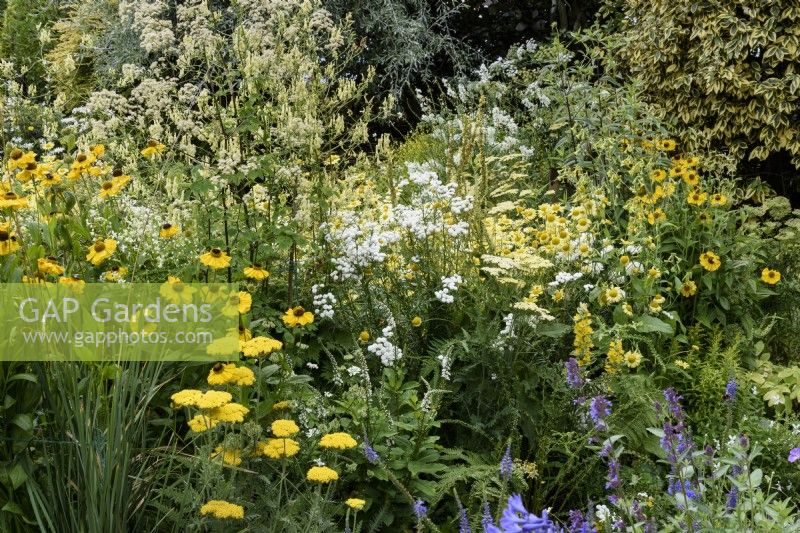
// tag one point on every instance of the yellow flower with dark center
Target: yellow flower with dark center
(230, 412)
(115, 274)
(74, 282)
(416, 321)
(113, 186)
(50, 179)
(17, 159)
(667, 145)
(258, 346)
(691, 178)
(224, 374)
(710, 261)
(656, 216)
(10, 200)
(321, 474)
(222, 510)
(201, 423)
(697, 198)
(256, 272)
(101, 250)
(770, 276)
(245, 334)
(297, 316)
(688, 288)
(339, 441)
(279, 448)
(186, 398)
(8, 241)
(228, 456)
(355, 503)
(32, 170)
(82, 163)
(215, 258)
(719, 199)
(284, 428)
(176, 291)
(152, 149)
(168, 230)
(658, 175)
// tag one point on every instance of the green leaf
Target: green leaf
(554, 330)
(755, 477)
(651, 324)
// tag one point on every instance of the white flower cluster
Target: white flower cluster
(445, 361)
(564, 277)
(506, 334)
(449, 284)
(151, 21)
(359, 243)
(323, 301)
(383, 346)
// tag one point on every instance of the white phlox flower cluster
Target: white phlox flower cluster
(565, 277)
(383, 346)
(323, 301)
(449, 285)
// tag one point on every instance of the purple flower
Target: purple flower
(517, 519)
(486, 519)
(463, 521)
(578, 523)
(733, 496)
(574, 379)
(420, 509)
(730, 390)
(506, 464)
(675, 488)
(673, 403)
(613, 475)
(369, 452)
(599, 409)
(794, 455)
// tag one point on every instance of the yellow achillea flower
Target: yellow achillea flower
(101, 250)
(770, 276)
(168, 230)
(260, 346)
(339, 441)
(201, 423)
(284, 428)
(710, 261)
(230, 412)
(215, 258)
(186, 398)
(256, 272)
(224, 374)
(632, 359)
(681, 363)
(364, 336)
(689, 288)
(278, 448)
(221, 509)
(283, 404)
(229, 457)
(719, 199)
(297, 316)
(696, 198)
(416, 321)
(322, 474)
(213, 399)
(10, 200)
(152, 149)
(49, 265)
(355, 503)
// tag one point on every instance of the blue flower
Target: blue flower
(599, 409)
(517, 519)
(730, 390)
(369, 452)
(794, 455)
(574, 379)
(733, 496)
(463, 521)
(506, 464)
(420, 509)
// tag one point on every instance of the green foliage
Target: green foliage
(725, 73)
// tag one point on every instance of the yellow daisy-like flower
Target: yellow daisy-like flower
(115, 274)
(681, 363)
(74, 282)
(229, 457)
(558, 295)
(658, 175)
(697, 198)
(152, 149)
(279, 448)
(719, 199)
(614, 295)
(339, 441)
(416, 321)
(49, 265)
(256, 272)
(284, 428)
(632, 359)
(230, 412)
(224, 374)
(222, 510)
(297, 316)
(322, 474)
(691, 178)
(186, 398)
(624, 260)
(355, 503)
(245, 302)
(201, 423)
(215, 258)
(18, 159)
(213, 399)
(666, 145)
(688, 288)
(258, 346)
(113, 186)
(50, 180)
(101, 250)
(770, 276)
(176, 291)
(710, 261)
(168, 230)
(10, 200)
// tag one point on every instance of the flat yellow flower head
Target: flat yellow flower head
(416, 321)
(710, 261)
(230, 412)
(355, 503)
(279, 448)
(339, 441)
(222, 510)
(284, 428)
(322, 474)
